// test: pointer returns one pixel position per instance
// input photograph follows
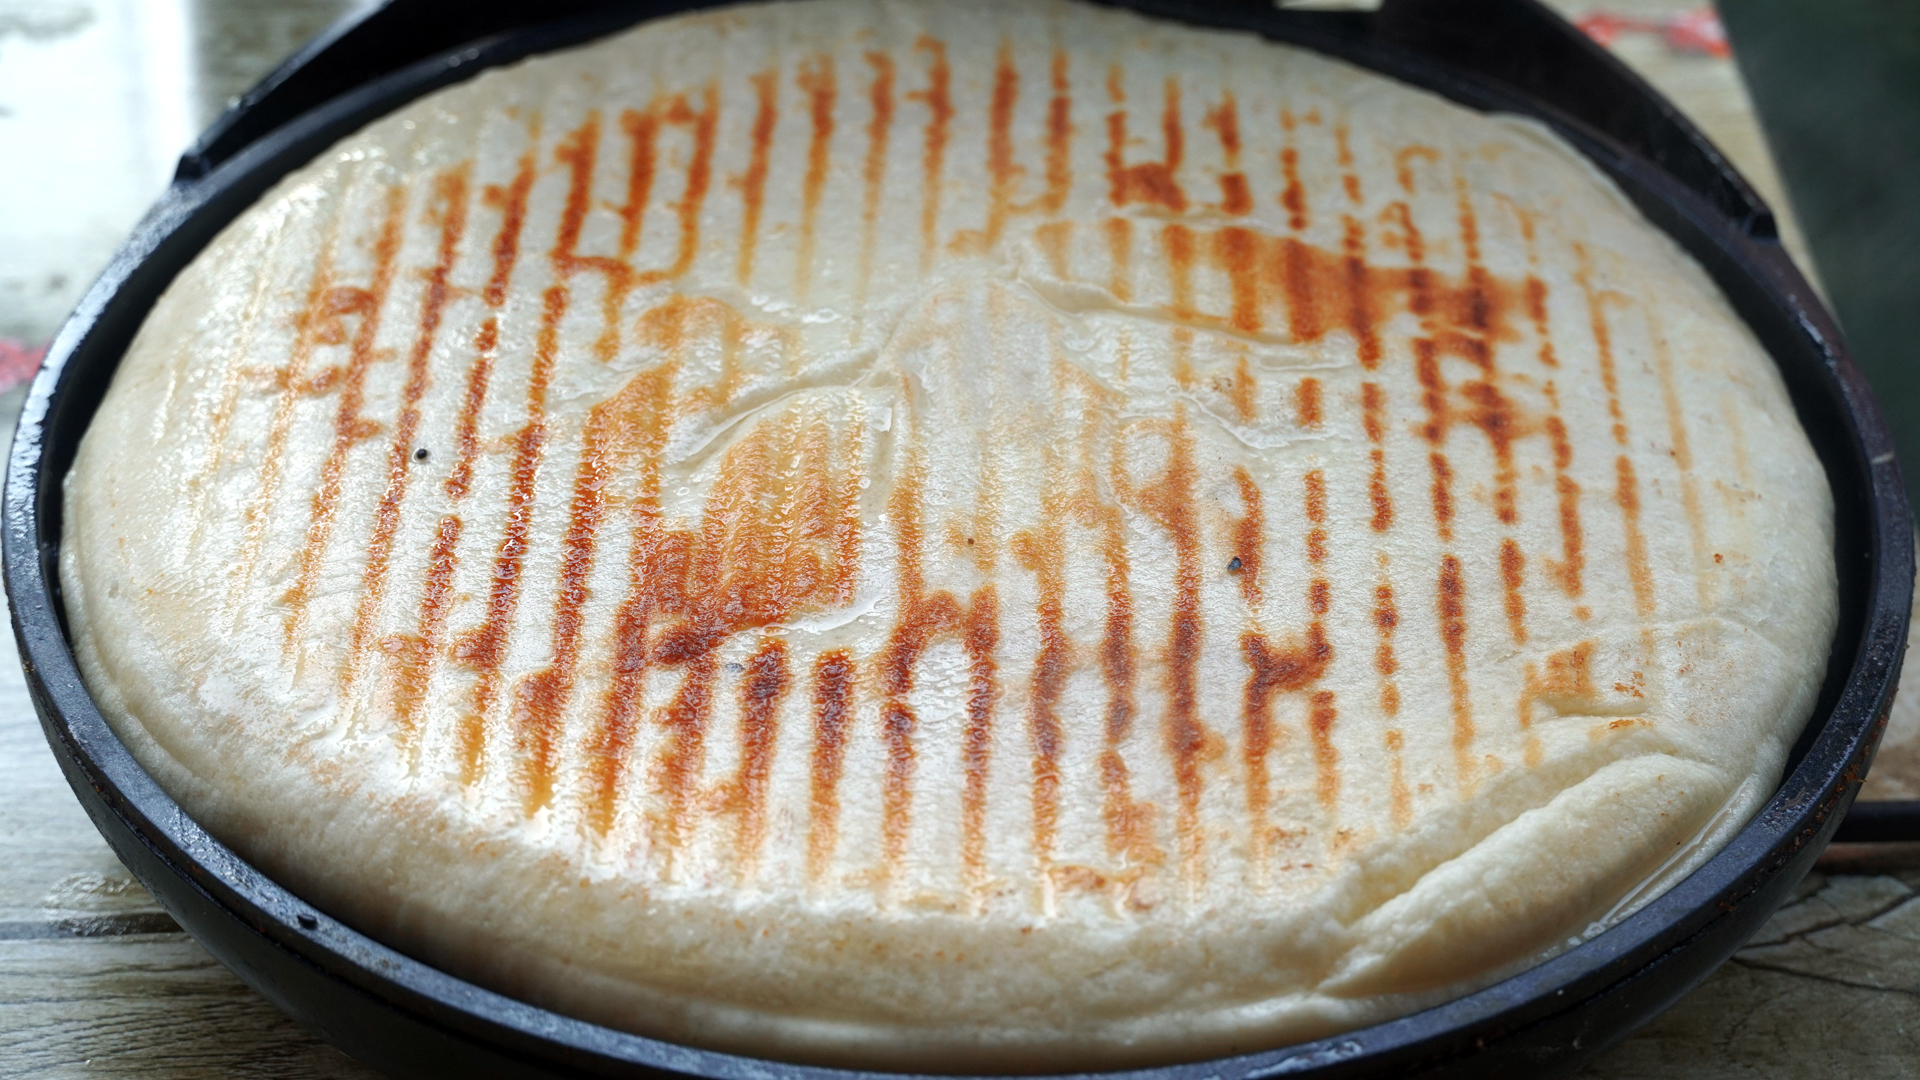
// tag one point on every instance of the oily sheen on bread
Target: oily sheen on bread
(990, 536)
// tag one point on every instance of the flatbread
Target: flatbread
(954, 537)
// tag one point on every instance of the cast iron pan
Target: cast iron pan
(409, 1019)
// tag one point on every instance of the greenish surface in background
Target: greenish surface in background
(1837, 86)
(237, 42)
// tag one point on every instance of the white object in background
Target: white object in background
(96, 104)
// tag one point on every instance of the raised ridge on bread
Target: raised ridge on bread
(1007, 537)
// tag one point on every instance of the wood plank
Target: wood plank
(151, 1005)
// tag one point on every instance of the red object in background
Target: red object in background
(1696, 31)
(18, 362)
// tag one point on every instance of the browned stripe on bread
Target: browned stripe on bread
(1169, 501)
(1151, 182)
(818, 81)
(1293, 197)
(483, 648)
(762, 690)
(1513, 566)
(450, 208)
(413, 655)
(937, 96)
(753, 183)
(311, 325)
(1386, 619)
(982, 632)
(1453, 639)
(879, 134)
(1683, 462)
(1626, 481)
(511, 201)
(1236, 198)
(833, 688)
(349, 427)
(1343, 155)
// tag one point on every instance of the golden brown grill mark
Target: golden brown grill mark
(1453, 636)
(1683, 461)
(1001, 171)
(1169, 501)
(677, 769)
(413, 655)
(923, 617)
(1403, 160)
(753, 183)
(879, 133)
(1290, 669)
(699, 178)
(1326, 759)
(1316, 507)
(1045, 554)
(1400, 800)
(1373, 405)
(1627, 492)
(1360, 301)
(1249, 536)
(349, 427)
(1301, 278)
(541, 699)
(833, 686)
(466, 437)
(1386, 618)
(1306, 403)
(643, 129)
(1237, 251)
(762, 690)
(1512, 572)
(450, 194)
(1152, 182)
(1567, 491)
(1343, 151)
(1235, 197)
(762, 552)
(511, 201)
(939, 101)
(1566, 570)
(1442, 494)
(820, 84)
(1059, 139)
(982, 637)
(1129, 824)
(1177, 240)
(483, 648)
(1626, 482)
(1293, 197)
(1120, 254)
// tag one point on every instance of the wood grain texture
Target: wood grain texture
(145, 1005)
(1831, 986)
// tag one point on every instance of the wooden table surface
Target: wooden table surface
(95, 980)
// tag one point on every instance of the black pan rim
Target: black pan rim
(1793, 824)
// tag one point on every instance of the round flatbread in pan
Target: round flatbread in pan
(1004, 536)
